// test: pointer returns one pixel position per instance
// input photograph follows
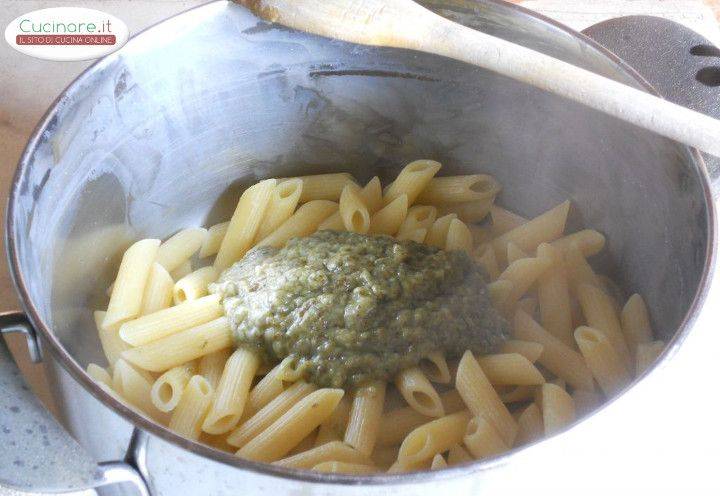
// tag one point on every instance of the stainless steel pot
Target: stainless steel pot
(165, 132)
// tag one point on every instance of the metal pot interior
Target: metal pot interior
(166, 132)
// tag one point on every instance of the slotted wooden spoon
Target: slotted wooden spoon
(405, 24)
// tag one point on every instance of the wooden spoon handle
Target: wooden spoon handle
(405, 24)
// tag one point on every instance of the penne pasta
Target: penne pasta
(134, 386)
(435, 368)
(384, 457)
(514, 253)
(500, 292)
(232, 392)
(365, 411)
(585, 401)
(184, 269)
(646, 354)
(522, 274)
(419, 393)
(554, 300)
(418, 235)
(283, 201)
(635, 323)
(158, 292)
(485, 256)
(213, 239)
(530, 425)
(438, 462)
(336, 467)
(193, 285)
(211, 366)
(599, 312)
(482, 440)
(544, 228)
(371, 195)
(516, 394)
(558, 358)
(411, 181)
(268, 388)
(302, 223)
(529, 349)
(451, 189)
(354, 213)
(504, 220)
(168, 388)
(171, 320)
(322, 186)
(473, 211)
(112, 344)
(432, 438)
(480, 234)
(527, 305)
(286, 432)
(181, 347)
(588, 241)
(578, 270)
(99, 374)
(388, 219)
(480, 397)
(269, 413)
(418, 217)
(332, 223)
(510, 369)
(328, 452)
(458, 237)
(602, 360)
(333, 429)
(244, 223)
(178, 249)
(188, 415)
(457, 455)
(133, 274)
(558, 410)
(437, 234)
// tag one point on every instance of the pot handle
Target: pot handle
(682, 65)
(36, 454)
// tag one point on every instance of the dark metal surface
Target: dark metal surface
(163, 134)
(681, 64)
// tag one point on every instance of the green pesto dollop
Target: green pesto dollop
(350, 308)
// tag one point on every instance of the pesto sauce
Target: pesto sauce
(351, 308)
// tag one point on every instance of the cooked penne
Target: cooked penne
(184, 269)
(194, 285)
(419, 393)
(112, 344)
(388, 219)
(306, 443)
(371, 195)
(126, 298)
(302, 223)
(171, 320)
(602, 360)
(269, 413)
(599, 312)
(585, 401)
(522, 274)
(500, 292)
(232, 392)
(211, 366)
(438, 462)
(588, 241)
(529, 349)
(558, 358)
(158, 292)
(514, 253)
(432, 438)
(99, 374)
(134, 386)
(418, 235)
(418, 217)
(435, 368)
(558, 410)
(516, 394)
(485, 256)
(168, 388)
(578, 270)
(244, 223)
(482, 440)
(333, 429)
(451, 189)
(384, 457)
(458, 237)
(363, 423)
(504, 220)
(530, 425)
(332, 223)
(411, 181)
(283, 201)
(181, 347)
(554, 300)
(178, 249)
(286, 432)
(437, 234)
(635, 322)
(335, 467)
(353, 211)
(213, 239)
(398, 423)
(474, 211)
(542, 229)
(322, 186)
(510, 369)
(328, 452)
(527, 305)
(268, 388)
(646, 354)
(193, 406)
(457, 455)
(480, 234)
(480, 397)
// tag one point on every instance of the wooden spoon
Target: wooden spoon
(405, 24)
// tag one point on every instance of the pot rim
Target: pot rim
(144, 423)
